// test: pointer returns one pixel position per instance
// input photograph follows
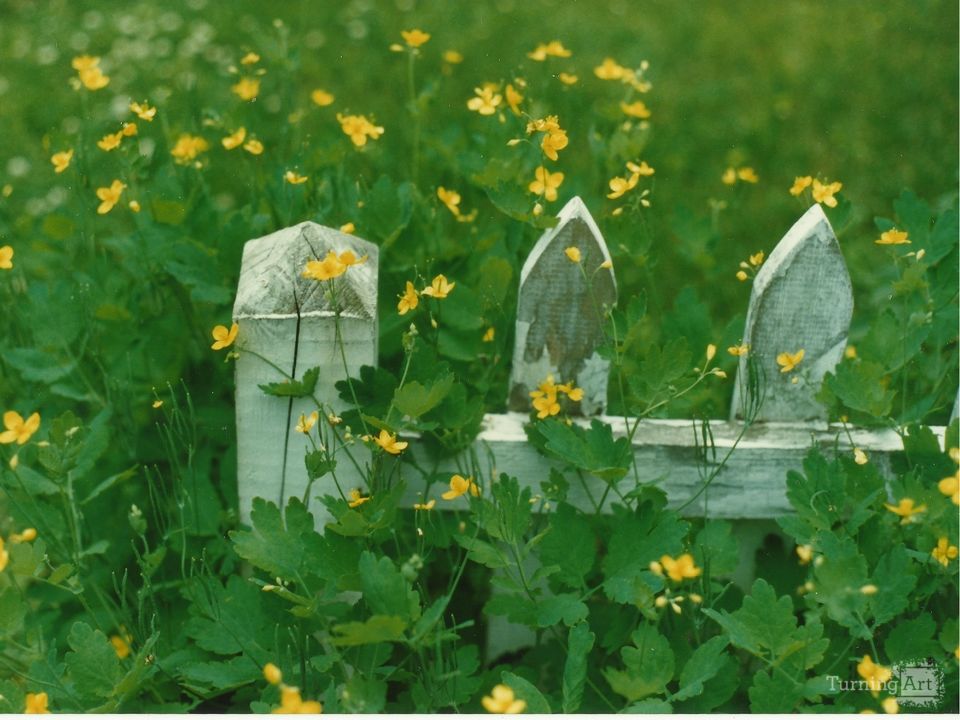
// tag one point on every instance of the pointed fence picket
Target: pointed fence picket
(801, 299)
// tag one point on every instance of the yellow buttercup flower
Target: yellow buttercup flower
(489, 335)
(92, 78)
(503, 701)
(460, 485)
(514, 98)
(747, 174)
(306, 422)
(272, 674)
(348, 228)
(788, 361)
(295, 178)
(358, 128)
(425, 506)
(573, 254)
(251, 58)
(738, 350)
(890, 706)
(84, 62)
(893, 237)
(944, 552)
(356, 498)
(610, 69)
(756, 259)
(414, 38)
(800, 184)
(905, 509)
(949, 486)
(439, 288)
(330, 267)
(128, 129)
(681, 568)
(554, 48)
(187, 147)
(824, 192)
(388, 441)
(875, 675)
(637, 109)
(246, 89)
(620, 185)
(36, 704)
(6, 258)
(860, 457)
(253, 146)
(486, 101)
(321, 97)
(61, 160)
(4, 553)
(450, 198)
(292, 704)
(574, 393)
(121, 645)
(235, 139)
(805, 554)
(643, 170)
(452, 57)
(222, 337)
(143, 111)
(567, 78)
(110, 142)
(554, 141)
(729, 176)
(18, 430)
(109, 196)
(408, 300)
(546, 183)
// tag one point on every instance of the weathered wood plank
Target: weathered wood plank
(802, 299)
(560, 314)
(289, 321)
(751, 485)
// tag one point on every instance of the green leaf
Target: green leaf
(838, 579)
(594, 451)
(375, 629)
(895, 578)
(385, 590)
(364, 695)
(570, 545)
(912, 639)
(565, 606)
(524, 690)
(949, 636)
(773, 694)
(219, 676)
(763, 621)
(319, 463)
(579, 644)
(12, 612)
(414, 399)
(649, 665)
(861, 386)
(37, 365)
(481, 552)
(277, 544)
(303, 387)
(374, 390)
(92, 664)
(817, 495)
(513, 509)
(703, 665)
(650, 706)
(659, 369)
(387, 208)
(716, 549)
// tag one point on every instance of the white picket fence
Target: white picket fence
(801, 298)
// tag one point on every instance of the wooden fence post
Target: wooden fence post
(288, 326)
(801, 300)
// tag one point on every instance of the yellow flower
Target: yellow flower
(222, 337)
(610, 69)
(711, 352)
(729, 176)
(414, 38)
(450, 198)
(824, 193)
(235, 139)
(36, 704)
(246, 89)
(741, 275)
(143, 111)
(408, 300)
(157, 404)
(573, 254)
(486, 101)
(321, 97)
(893, 237)
(460, 485)
(121, 646)
(850, 352)
(272, 674)
(295, 178)
(637, 109)
(514, 98)
(800, 184)
(805, 554)
(607, 264)
(330, 267)
(552, 142)
(425, 506)
(545, 396)
(619, 185)
(253, 146)
(6, 258)
(18, 430)
(875, 675)
(84, 62)
(757, 259)
(92, 78)
(502, 701)
(574, 393)
(28, 535)
(356, 499)
(869, 589)
(109, 196)
(439, 288)
(554, 48)
(905, 509)
(489, 335)
(788, 361)
(358, 128)
(4, 554)
(546, 183)
(61, 160)
(747, 174)
(110, 142)
(187, 147)
(128, 129)
(860, 457)
(134, 206)
(944, 552)
(388, 441)
(680, 568)
(738, 350)
(251, 58)
(567, 78)
(306, 422)
(642, 169)
(348, 228)
(890, 706)
(453, 57)
(949, 486)
(292, 704)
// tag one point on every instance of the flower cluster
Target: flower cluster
(290, 701)
(545, 398)
(610, 69)
(89, 73)
(620, 186)
(750, 266)
(451, 199)
(332, 266)
(743, 174)
(358, 128)
(821, 192)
